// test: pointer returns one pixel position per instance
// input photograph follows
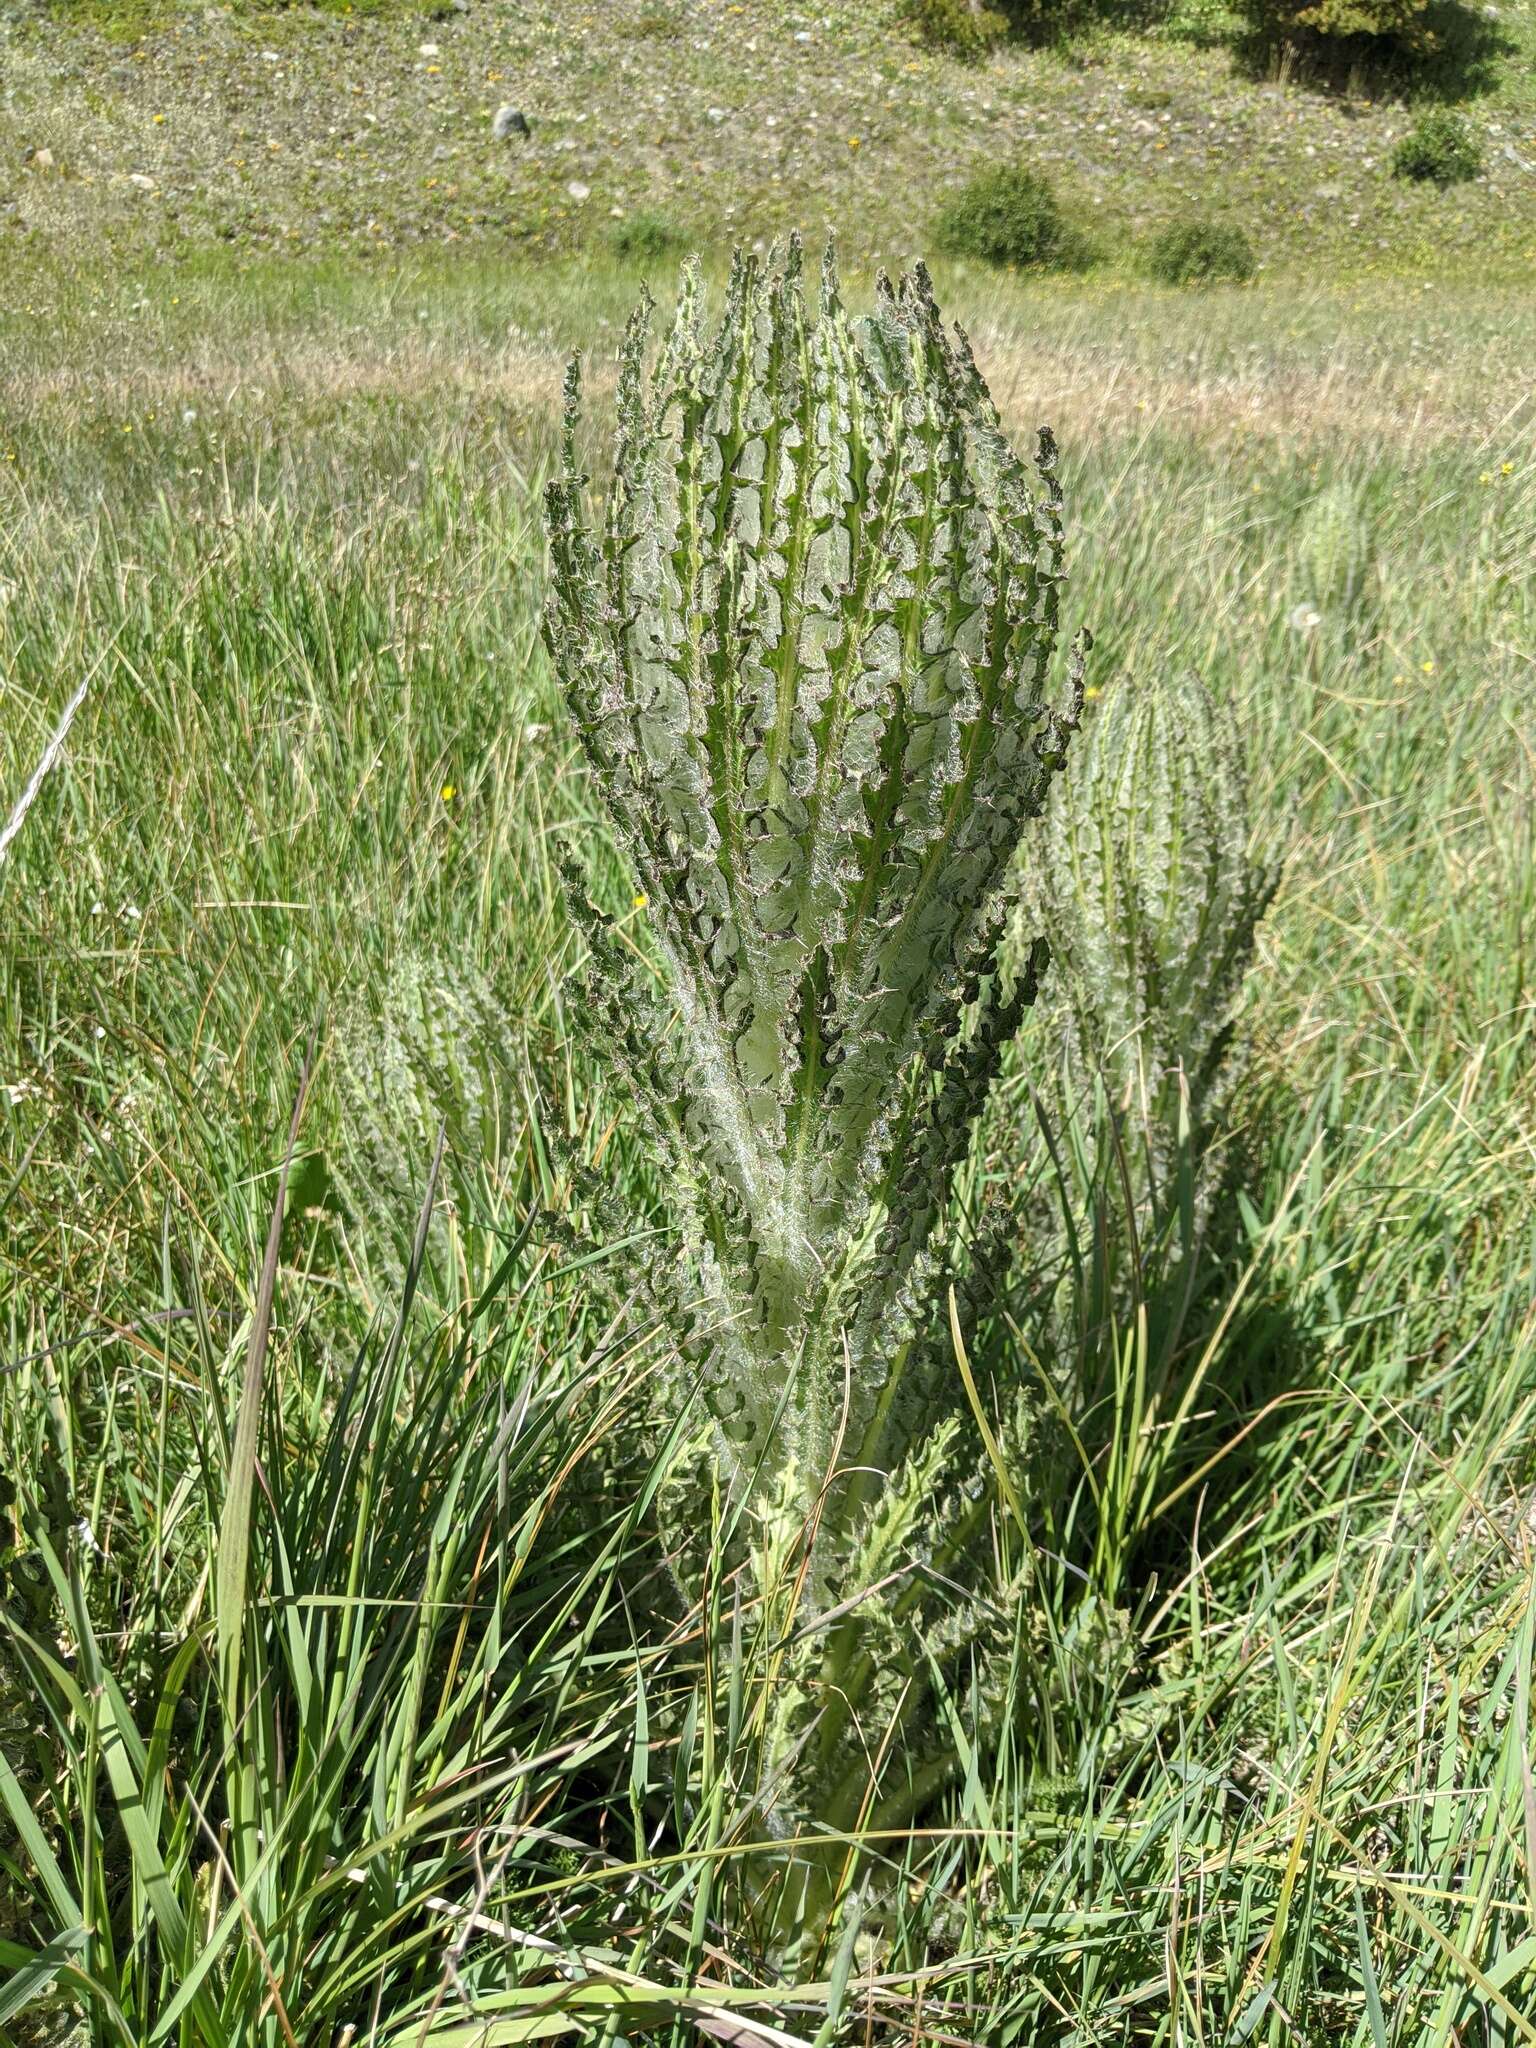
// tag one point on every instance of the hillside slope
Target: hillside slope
(329, 131)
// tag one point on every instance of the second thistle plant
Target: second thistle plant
(807, 652)
(1146, 886)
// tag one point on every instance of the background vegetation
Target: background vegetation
(366, 132)
(340, 1689)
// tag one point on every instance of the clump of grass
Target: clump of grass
(1009, 216)
(659, 24)
(1201, 252)
(645, 237)
(117, 20)
(1441, 148)
(307, 1756)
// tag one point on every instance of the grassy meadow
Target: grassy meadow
(343, 1696)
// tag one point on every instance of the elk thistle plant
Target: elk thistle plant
(1145, 886)
(808, 653)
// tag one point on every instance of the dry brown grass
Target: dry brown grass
(1091, 362)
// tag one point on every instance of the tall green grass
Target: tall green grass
(344, 1684)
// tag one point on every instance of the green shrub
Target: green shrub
(806, 650)
(1009, 215)
(965, 28)
(645, 237)
(1439, 149)
(1358, 25)
(1201, 252)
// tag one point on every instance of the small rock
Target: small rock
(717, 115)
(42, 160)
(578, 191)
(428, 50)
(440, 154)
(509, 120)
(141, 180)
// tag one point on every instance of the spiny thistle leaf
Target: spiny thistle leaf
(807, 652)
